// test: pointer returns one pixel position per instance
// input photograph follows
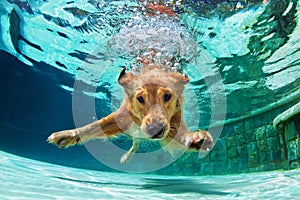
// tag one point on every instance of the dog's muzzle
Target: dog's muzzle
(156, 130)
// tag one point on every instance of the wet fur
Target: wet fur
(157, 117)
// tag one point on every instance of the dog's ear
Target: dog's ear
(179, 79)
(126, 79)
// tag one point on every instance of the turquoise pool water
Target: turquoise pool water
(59, 64)
(23, 178)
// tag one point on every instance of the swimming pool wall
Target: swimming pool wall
(249, 145)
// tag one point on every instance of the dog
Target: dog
(151, 108)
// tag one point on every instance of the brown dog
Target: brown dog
(152, 109)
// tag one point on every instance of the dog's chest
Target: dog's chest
(135, 131)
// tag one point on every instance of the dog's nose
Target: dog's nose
(155, 130)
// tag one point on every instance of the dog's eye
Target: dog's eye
(140, 99)
(167, 97)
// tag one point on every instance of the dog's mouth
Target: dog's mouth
(156, 131)
(159, 135)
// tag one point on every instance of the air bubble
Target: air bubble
(159, 40)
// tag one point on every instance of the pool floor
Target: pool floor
(23, 178)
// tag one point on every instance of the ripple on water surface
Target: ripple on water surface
(30, 179)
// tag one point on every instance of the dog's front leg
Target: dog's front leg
(194, 141)
(200, 140)
(113, 124)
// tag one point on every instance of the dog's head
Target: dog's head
(154, 97)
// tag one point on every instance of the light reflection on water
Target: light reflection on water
(256, 50)
(30, 179)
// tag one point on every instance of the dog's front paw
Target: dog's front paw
(64, 139)
(201, 140)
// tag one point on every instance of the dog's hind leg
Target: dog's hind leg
(127, 156)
